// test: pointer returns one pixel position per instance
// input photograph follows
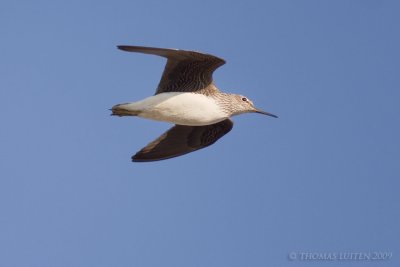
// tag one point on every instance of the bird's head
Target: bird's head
(244, 105)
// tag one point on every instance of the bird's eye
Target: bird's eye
(244, 99)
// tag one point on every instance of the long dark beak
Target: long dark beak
(265, 113)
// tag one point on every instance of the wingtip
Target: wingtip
(142, 158)
(127, 48)
(137, 158)
(121, 47)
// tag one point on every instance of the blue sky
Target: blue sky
(324, 177)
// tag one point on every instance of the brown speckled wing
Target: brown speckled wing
(181, 139)
(185, 71)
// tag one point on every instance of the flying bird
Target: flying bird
(187, 97)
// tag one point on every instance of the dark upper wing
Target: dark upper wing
(185, 71)
(182, 139)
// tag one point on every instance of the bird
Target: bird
(187, 97)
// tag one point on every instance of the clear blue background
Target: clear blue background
(324, 177)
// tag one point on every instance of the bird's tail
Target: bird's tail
(121, 110)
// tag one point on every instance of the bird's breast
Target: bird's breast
(181, 108)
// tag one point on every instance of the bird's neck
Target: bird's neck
(228, 102)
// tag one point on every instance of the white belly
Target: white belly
(179, 108)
